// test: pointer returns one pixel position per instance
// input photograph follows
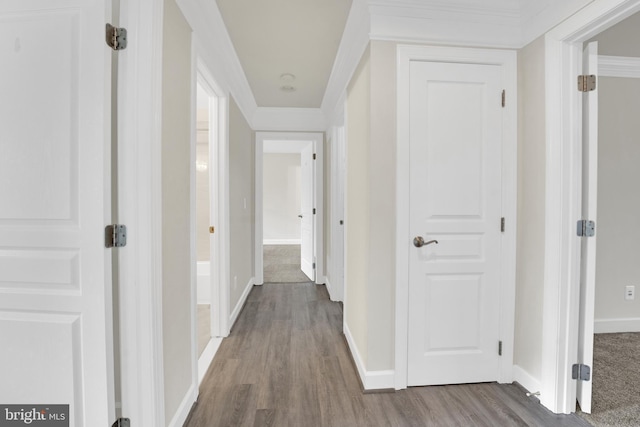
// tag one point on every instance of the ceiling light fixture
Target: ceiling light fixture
(287, 77)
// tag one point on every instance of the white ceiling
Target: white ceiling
(275, 37)
(308, 38)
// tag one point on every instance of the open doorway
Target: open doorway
(616, 321)
(289, 208)
(567, 317)
(286, 201)
(209, 219)
(203, 215)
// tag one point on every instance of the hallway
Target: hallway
(286, 364)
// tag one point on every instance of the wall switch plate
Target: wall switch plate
(630, 293)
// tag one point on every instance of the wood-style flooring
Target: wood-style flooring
(286, 364)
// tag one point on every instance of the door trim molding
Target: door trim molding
(140, 207)
(507, 60)
(317, 138)
(563, 175)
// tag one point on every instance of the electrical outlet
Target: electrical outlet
(630, 293)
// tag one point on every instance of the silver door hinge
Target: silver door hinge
(586, 83)
(502, 224)
(586, 228)
(116, 38)
(499, 348)
(504, 98)
(122, 422)
(115, 236)
(581, 372)
(314, 265)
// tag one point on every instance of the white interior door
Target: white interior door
(455, 198)
(306, 211)
(589, 212)
(55, 273)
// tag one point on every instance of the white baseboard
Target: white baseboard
(526, 380)
(243, 298)
(207, 356)
(180, 417)
(282, 242)
(371, 380)
(608, 326)
(327, 284)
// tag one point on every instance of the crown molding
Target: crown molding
(289, 119)
(218, 53)
(448, 9)
(618, 66)
(355, 40)
(540, 17)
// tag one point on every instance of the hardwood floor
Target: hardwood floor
(286, 364)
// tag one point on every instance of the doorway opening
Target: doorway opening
(289, 208)
(287, 193)
(569, 299)
(203, 219)
(610, 330)
(209, 219)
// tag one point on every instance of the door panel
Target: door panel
(589, 208)
(455, 190)
(55, 273)
(307, 220)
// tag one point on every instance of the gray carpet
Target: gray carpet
(616, 381)
(282, 264)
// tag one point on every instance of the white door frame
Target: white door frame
(563, 63)
(219, 209)
(140, 208)
(335, 269)
(507, 60)
(317, 139)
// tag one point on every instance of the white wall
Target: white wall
(531, 214)
(241, 201)
(281, 197)
(618, 248)
(176, 268)
(357, 206)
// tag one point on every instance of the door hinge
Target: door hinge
(314, 156)
(499, 348)
(586, 83)
(504, 98)
(115, 236)
(502, 224)
(586, 228)
(116, 37)
(314, 211)
(581, 372)
(122, 422)
(314, 265)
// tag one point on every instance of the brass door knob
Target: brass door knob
(212, 229)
